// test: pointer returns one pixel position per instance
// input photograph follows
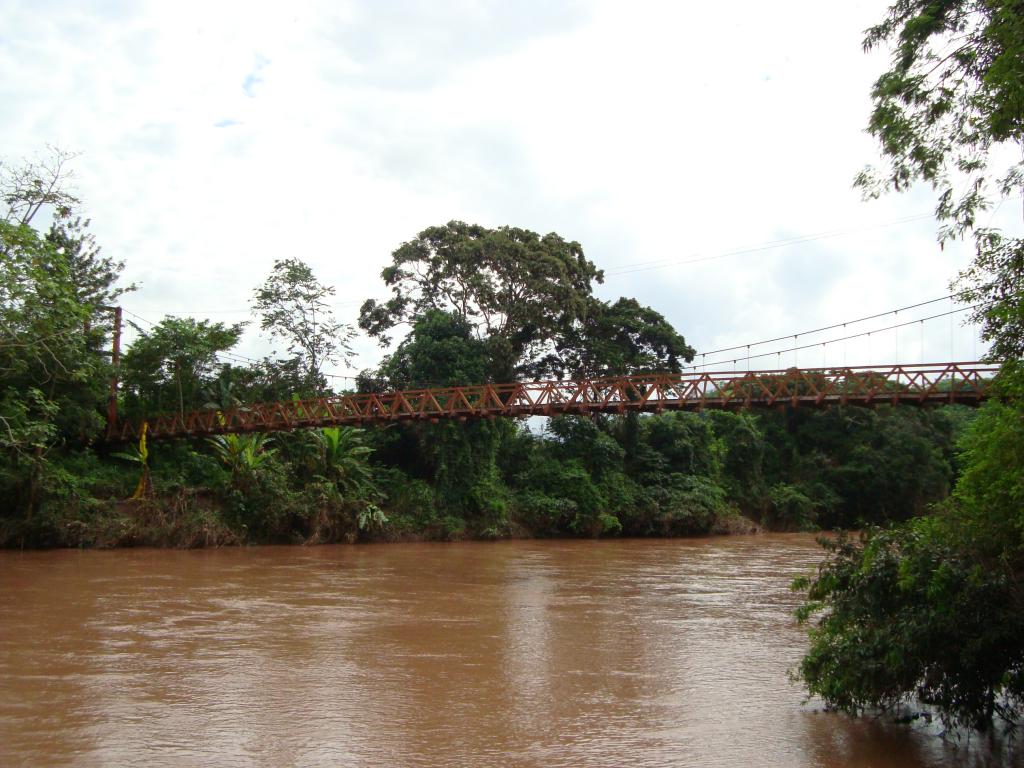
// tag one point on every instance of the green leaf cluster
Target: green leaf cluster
(931, 611)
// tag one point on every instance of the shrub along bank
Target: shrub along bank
(673, 474)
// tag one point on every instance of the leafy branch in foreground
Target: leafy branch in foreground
(950, 104)
(932, 610)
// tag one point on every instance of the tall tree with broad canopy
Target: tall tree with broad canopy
(932, 610)
(530, 297)
(519, 290)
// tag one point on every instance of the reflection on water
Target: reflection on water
(602, 653)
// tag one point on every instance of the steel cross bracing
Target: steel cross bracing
(914, 384)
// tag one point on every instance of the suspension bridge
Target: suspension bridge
(704, 384)
(965, 383)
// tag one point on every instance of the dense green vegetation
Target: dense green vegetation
(480, 305)
(932, 610)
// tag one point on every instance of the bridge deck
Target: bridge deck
(913, 384)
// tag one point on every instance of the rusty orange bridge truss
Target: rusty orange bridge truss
(965, 383)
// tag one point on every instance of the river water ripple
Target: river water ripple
(526, 653)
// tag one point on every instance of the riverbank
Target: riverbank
(195, 519)
(668, 475)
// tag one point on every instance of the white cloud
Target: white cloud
(216, 137)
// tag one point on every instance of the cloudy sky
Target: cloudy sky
(703, 154)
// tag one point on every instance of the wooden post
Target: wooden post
(115, 362)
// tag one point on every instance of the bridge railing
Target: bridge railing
(864, 385)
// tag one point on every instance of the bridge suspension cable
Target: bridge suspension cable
(748, 357)
(834, 326)
(862, 334)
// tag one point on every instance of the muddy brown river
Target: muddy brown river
(536, 653)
